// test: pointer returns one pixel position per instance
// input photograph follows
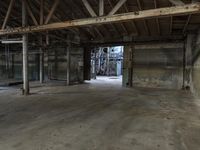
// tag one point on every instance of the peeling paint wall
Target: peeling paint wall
(159, 68)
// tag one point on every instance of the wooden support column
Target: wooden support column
(25, 52)
(108, 61)
(68, 63)
(130, 67)
(41, 61)
(188, 60)
(41, 43)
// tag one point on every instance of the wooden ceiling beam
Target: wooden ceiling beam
(145, 14)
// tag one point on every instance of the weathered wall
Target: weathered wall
(160, 68)
(55, 64)
(196, 66)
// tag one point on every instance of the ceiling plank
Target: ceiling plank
(145, 14)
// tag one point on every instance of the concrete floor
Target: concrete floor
(98, 116)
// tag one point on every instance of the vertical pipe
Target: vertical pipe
(25, 53)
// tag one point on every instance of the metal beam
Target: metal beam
(8, 13)
(145, 14)
(117, 7)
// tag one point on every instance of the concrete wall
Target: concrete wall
(55, 64)
(196, 66)
(159, 68)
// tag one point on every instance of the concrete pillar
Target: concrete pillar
(25, 52)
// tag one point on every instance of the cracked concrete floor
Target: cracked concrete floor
(98, 116)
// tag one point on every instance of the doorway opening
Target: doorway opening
(107, 64)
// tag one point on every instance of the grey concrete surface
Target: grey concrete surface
(98, 115)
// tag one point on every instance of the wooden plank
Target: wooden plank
(117, 7)
(8, 13)
(152, 13)
(89, 8)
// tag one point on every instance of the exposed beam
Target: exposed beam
(145, 14)
(187, 23)
(52, 11)
(89, 8)
(101, 7)
(157, 20)
(117, 7)
(177, 2)
(30, 12)
(8, 13)
(145, 22)
(133, 24)
(25, 52)
(41, 12)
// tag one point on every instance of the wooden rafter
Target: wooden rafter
(89, 8)
(121, 24)
(187, 23)
(52, 11)
(101, 7)
(30, 12)
(8, 13)
(41, 12)
(145, 14)
(117, 7)
(132, 22)
(145, 22)
(157, 19)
